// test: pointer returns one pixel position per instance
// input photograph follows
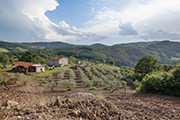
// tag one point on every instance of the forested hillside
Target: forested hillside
(167, 52)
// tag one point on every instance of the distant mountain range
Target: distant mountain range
(10, 46)
(123, 54)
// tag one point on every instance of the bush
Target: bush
(138, 89)
(115, 84)
(49, 76)
(136, 83)
(105, 88)
(72, 74)
(129, 81)
(14, 77)
(68, 83)
(93, 88)
(87, 82)
(60, 75)
(105, 79)
(100, 82)
(52, 85)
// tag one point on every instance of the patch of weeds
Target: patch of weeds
(69, 89)
(112, 91)
(41, 85)
(93, 88)
(105, 88)
(31, 85)
(120, 90)
(44, 82)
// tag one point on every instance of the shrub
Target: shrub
(68, 83)
(105, 88)
(93, 88)
(72, 74)
(52, 85)
(115, 84)
(100, 82)
(94, 80)
(49, 76)
(123, 83)
(105, 79)
(136, 83)
(44, 82)
(60, 75)
(129, 81)
(69, 89)
(14, 77)
(138, 89)
(87, 82)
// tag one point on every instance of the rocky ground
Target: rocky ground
(39, 102)
(18, 105)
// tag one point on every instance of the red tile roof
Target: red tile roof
(24, 64)
(55, 58)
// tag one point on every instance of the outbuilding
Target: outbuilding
(26, 67)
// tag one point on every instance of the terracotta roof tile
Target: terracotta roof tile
(55, 58)
(24, 64)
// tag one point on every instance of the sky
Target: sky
(87, 22)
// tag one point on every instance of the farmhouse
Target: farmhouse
(27, 67)
(58, 61)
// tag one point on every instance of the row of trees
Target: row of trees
(102, 76)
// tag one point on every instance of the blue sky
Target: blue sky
(89, 21)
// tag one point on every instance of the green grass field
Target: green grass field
(43, 74)
(3, 50)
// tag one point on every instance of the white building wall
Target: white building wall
(63, 61)
(38, 69)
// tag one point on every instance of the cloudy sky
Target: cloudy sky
(89, 21)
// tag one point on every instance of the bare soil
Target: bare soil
(39, 102)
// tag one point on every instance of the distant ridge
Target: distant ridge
(137, 43)
(98, 45)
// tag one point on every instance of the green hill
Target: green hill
(124, 55)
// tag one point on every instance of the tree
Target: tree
(2, 80)
(4, 59)
(14, 77)
(32, 56)
(69, 83)
(145, 65)
(111, 62)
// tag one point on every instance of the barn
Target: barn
(26, 67)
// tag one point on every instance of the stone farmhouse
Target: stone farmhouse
(58, 61)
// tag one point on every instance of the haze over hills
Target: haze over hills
(123, 54)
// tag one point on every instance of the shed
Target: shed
(27, 67)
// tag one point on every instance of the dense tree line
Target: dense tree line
(157, 78)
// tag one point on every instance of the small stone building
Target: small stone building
(26, 67)
(58, 61)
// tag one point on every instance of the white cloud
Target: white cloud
(28, 17)
(127, 29)
(143, 14)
